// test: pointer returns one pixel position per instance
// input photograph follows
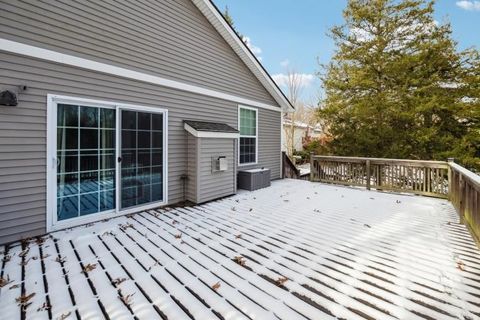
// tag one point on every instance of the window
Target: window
(248, 135)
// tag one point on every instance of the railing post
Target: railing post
(368, 173)
(311, 166)
(450, 178)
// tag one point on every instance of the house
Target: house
(115, 108)
(302, 133)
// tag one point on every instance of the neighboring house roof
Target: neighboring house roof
(302, 125)
(211, 12)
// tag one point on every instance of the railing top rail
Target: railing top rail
(440, 164)
(469, 175)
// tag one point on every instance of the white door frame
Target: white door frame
(52, 101)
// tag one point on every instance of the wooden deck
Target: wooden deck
(296, 250)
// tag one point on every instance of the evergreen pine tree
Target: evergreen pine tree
(397, 87)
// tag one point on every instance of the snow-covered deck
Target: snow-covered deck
(296, 250)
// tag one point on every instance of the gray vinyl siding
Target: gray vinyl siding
(23, 132)
(168, 38)
(214, 185)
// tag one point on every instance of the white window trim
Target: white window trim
(244, 136)
(52, 101)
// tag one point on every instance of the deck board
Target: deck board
(310, 251)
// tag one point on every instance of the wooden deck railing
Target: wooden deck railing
(464, 194)
(289, 170)
(420, 177)
(432, 178)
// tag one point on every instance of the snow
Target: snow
(304, 168)
(255, 170)
(294, 250)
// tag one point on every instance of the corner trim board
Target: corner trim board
(70, 60)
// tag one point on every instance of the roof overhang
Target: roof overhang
(214, 16)
(210, 133)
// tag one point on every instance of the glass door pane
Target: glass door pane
(142, 162)
(85, 160)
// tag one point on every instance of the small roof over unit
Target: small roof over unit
(206, 129)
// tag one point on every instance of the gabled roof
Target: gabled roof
(214, 16)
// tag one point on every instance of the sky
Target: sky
(291, 34)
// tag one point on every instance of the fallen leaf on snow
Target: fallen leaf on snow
(89, 267)
(23, 299)
(127, 300)
(4, 282)
(24, 253)
(39, 240)
(24, 263)
(117, 281)
(125, 226)
(64, 316)
(240, 260)
(43, 307)
(280, 281)
(461, 265)
(178, 236)
(216, 286)
(238, 236)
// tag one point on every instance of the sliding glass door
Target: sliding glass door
(106, 159)
(142, 158)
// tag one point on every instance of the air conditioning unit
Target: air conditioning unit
(254, 179)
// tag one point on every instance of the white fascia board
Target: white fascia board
(70, 60)
(210, 134)
(219, 23)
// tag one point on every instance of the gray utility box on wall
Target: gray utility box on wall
(253, 179)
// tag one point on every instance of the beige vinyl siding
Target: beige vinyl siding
(168, 38)
(23, 149)
(214, 185)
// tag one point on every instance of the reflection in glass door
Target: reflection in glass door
(85, 160)
(141, 158)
